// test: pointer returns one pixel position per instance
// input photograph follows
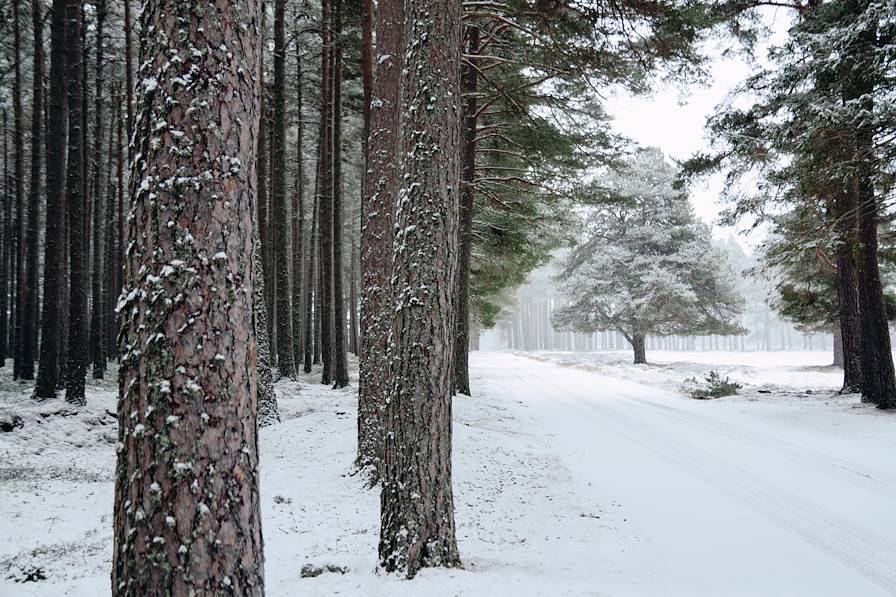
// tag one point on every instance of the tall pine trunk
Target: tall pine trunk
(340, 364)
(187, 518)
(469, 87)
(53, 287)
(5, 246)
(18, 148)
(848, 306)
(377, 222)
(325, 203)
(97, 307)
(281, 221)
(75, 188)
(878, 375)
(298, 223)
(29, 313)
(417, 513)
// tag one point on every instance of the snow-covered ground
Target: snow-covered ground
(567, 482)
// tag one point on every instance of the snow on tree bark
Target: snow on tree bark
(377, 221)
(417, 504)
(268, 413)
(187, 517)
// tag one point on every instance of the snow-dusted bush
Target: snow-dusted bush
(712, 387)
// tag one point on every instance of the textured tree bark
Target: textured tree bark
(878, 375)
(30, 240)
(353, 292)
(187, 519)
(377, 223)
(848, 311)
(109, 247)
(128, 69)
(340, 363)
(18, 148)
(5, 246)
(417, 514)
(838, 348)
(281, 221)
(50, 336)
(640, 348)
(469, 87)
(268, 413)
(311, 276)
(120, 142)
(97, 354)
(325, 203)
(298, 223)
(76, 359)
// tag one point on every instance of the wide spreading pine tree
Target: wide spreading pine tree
(645, 264)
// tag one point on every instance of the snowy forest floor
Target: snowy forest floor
(574, 474)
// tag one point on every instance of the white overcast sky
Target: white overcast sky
(673, 118)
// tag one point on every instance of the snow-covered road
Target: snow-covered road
(721, 497)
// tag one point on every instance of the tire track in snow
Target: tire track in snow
(868, 554)
(826, 463)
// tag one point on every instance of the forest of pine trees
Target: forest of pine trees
(204, 198)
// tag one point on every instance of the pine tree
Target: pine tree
(417, 513)
(377, 228)
(30, 240)
(5, 247)
(191, 522)
(18, 148)
(340, 364)
(98, 200)
(281, 223)
(298, 222)
(76, 361)
(646, 265)
(53, 288)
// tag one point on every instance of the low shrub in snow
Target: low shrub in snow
(713, 386)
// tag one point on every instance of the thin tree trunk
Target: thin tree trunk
(377, 228)
(128, 70)
(469, 88)
(281, 223)
(97, 310)
(353, 293)
(18, 147)
(325, 215)
(298, 224)
(187, 518)
(77, 301)
(30, 239)
(5, 246)
(53, 287)
(417, 513)
(109, 249)
(340, 364)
